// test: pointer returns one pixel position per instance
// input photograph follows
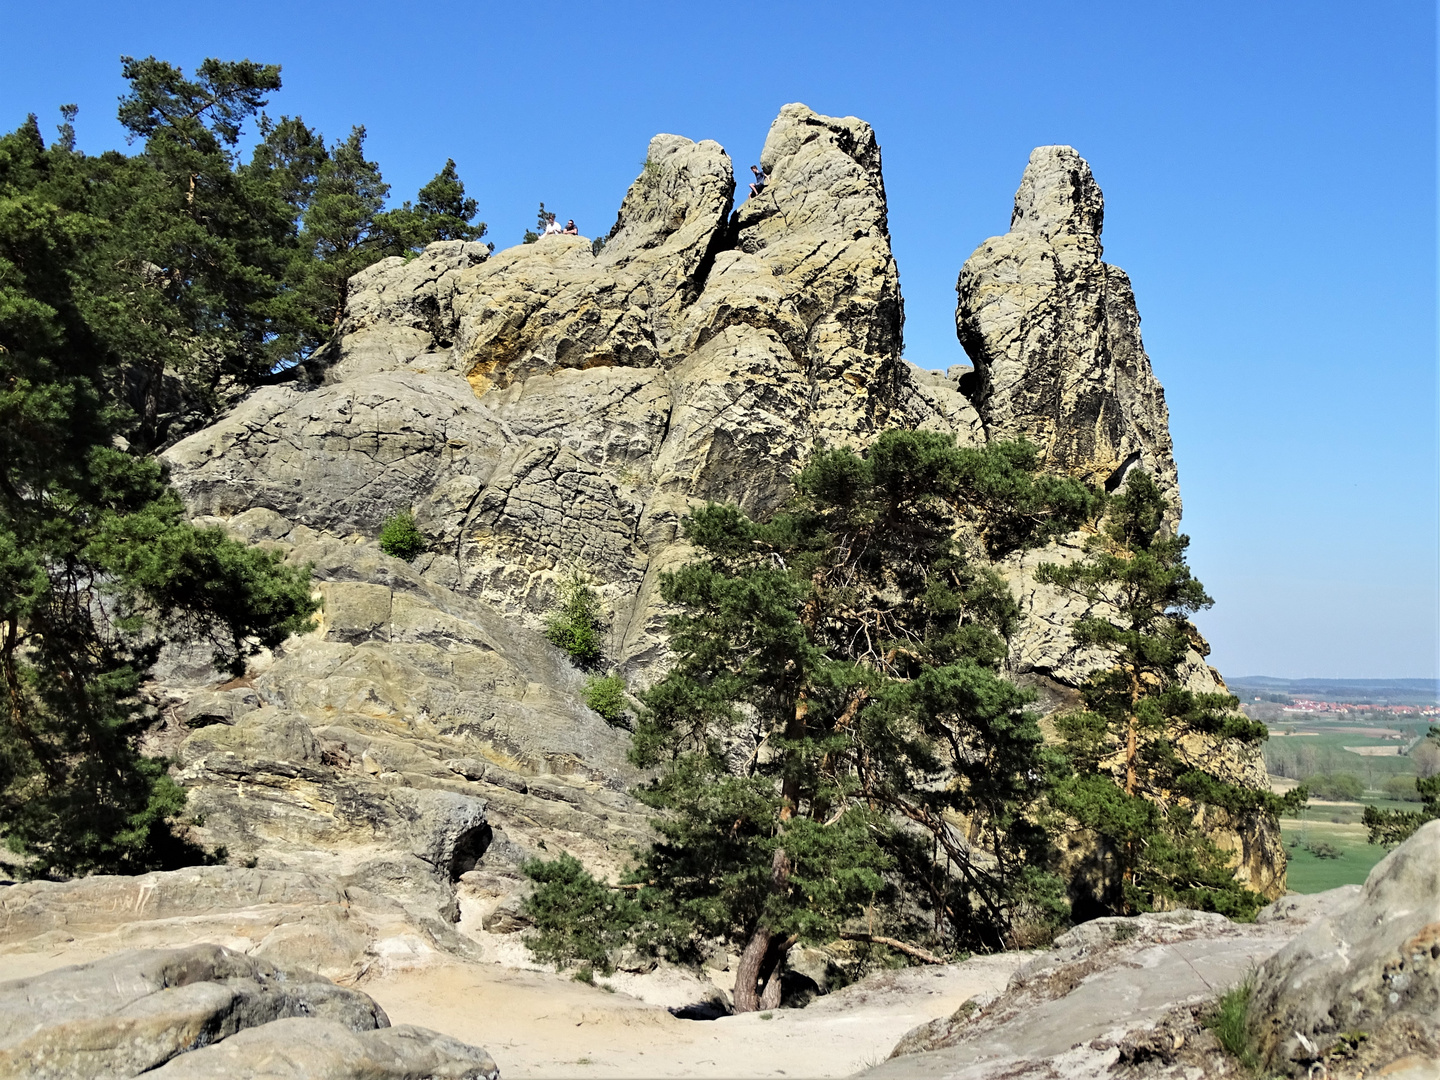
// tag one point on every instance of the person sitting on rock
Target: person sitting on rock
(570, 229)
(552, 227)
(759, 184)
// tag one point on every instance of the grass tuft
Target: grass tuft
(1228, 1024)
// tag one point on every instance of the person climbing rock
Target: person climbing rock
(760, 178)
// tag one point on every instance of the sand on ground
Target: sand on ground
(538, 1025)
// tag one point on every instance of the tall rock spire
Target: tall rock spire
(1055, 335)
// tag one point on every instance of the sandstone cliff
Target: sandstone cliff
(544, 410)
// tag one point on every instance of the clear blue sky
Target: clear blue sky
(1269, 173)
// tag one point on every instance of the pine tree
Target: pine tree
(835, 707)
(343, 228)
(285, 168)
(1126, 777)
(99, 567)
(1391, 827)
(201, 250)
(440, 212)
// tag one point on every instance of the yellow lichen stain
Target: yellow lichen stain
(479, 377)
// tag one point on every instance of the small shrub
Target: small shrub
(651, 173)
(1321, 850)
(607, 697)
(586, 974)
(577, 920)
(1228, 1024)
(401, 538)
(1337, 787)
(1402, 789)
(576, 624)
(597, 246)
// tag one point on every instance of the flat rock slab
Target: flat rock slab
(1077, 1033)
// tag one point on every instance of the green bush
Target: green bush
(1338, 786)
(1402, 789)
(607, 697)
(576, 624)
(401, 538)
(577, 919)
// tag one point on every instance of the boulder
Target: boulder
(127, 1014)
(295, 1049)
(1362, 983)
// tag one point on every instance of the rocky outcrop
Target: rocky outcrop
(1359, 991)
(546, 408)
(1055, 335)
(164, 1011)
(1082, 1009)
(557, 408)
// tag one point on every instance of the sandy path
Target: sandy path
(537, 1025)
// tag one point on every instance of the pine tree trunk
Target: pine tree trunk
(762, 959)
(747, 975)
(770, 996)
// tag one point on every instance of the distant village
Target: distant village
(1303, 705)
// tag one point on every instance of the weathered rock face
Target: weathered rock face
(1055, 335)
(548, 409)
(698, 356)
(1373, 969)
(164, 1011)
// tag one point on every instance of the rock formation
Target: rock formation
(1055, 335)
(1347, 986)
(548, 410)
(1371, 970)
(205, 1011)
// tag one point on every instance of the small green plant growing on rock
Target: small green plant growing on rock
(607, 697)
(575, 625)
(401, 538)
(651, 173)
(1228, 1024)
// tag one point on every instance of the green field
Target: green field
(1298, 756)
(1309, 874)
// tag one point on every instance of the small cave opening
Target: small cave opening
(1118, 477)
(470, 847)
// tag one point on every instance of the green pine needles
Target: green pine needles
(1126, 775)
(112, 271)
(835, 743)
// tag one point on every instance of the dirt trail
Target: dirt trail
(537, 1025)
